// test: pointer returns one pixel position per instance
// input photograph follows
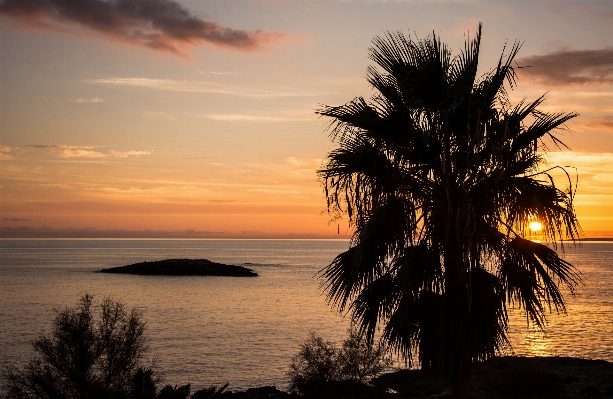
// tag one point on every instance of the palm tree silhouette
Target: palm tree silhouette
(440, 177)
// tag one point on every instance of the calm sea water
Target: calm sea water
(212, 330)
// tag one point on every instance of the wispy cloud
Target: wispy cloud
(570, 67)
(312, 163)
(274, 191)
(88, 100)
(157, 24)
(191, 86)
(260, 118)
(70, 153)
(132, 153)
(593, 170)
(58, 146)
(603, 124)
(15, 220)
(5, 153)
(73, 151)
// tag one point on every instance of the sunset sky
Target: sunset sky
(176, 115)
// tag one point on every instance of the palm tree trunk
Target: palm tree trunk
(457, 334)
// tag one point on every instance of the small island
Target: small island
(182, 267)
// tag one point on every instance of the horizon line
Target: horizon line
(46, 232)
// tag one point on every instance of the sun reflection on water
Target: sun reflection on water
(536, 343)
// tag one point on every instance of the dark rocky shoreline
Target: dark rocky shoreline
(509, 377)
(182, 267)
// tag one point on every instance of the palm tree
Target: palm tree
(440, 177)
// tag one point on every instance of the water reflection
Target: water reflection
(537, 343)
(585, 330)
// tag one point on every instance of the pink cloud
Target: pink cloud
(158, 24)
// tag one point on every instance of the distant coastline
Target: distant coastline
(45, 232)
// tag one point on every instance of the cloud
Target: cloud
(593, 169)
(570, 67)
(190, 86)
(605, 123)
(131, 153)
(157, 24)
(70, 153)
(4, 153)
(58, 146)
(314, 163)
(259, 118)
(89, 100)
(274, 191)
(16, 219)
(73, 151)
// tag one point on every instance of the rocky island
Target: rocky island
(182, 267)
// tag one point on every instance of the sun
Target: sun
(536, 226)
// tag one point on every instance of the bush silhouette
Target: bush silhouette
(317, 362)
(88, 357)
(320, 362)
(84, 355)
(358, 360)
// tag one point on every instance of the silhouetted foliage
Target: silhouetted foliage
(86, 357)
(320, 361)
(315, 363)
(359, 360)
(144, 384)
(83, 355)
(182, 392)
(440, 177)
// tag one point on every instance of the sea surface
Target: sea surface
(245, 331)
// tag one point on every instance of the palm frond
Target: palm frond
(532, 273)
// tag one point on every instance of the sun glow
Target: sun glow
(536, 226)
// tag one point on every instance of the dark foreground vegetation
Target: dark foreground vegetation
(182, 267)
(98, 351)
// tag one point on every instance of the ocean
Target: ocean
(245, 331)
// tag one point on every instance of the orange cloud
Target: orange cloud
(5, 153)
(74, 151)
(157, 24)
(70, 153)
(58, 146)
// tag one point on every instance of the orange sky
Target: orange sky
(204, 120)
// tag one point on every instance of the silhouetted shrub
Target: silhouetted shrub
(358, 360)
(317, 362)
(320, 362)
(84, 356)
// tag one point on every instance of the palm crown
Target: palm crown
(439, 176)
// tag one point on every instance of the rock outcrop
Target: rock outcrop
(182, 267)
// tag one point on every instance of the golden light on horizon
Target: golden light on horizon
(536, 226)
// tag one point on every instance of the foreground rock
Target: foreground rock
(514, 377)
(182, 267)
(499, 378)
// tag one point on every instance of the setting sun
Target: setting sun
(536, 226)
